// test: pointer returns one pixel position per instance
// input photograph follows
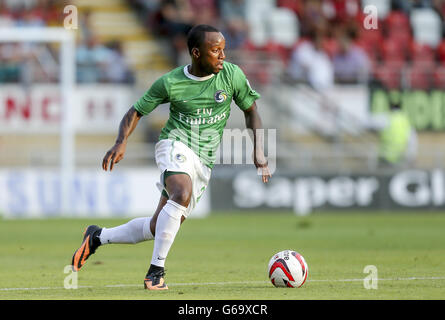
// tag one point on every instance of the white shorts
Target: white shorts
(175, 156)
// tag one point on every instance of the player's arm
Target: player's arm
(126, 127)
(253, 122)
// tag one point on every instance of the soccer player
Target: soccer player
(200, 95)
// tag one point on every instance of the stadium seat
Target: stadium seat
(441, 52)
(370, 41)
(398, 29)
(389, 74)
(371, 50)
(422, 54)
(257, 32)
(283, 26)
(345, 9)
(396, 21)
(402, 38)
(330, 46)
(295, 5)
(439, 77)
(392, 51)
(257, 12)
(418, 77)
(427, 26)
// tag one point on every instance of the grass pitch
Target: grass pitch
(225, 256)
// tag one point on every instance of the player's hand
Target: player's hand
(265, 173)
(114, 155)
(262, 168)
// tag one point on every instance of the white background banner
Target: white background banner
(96, 108)
(94, 193)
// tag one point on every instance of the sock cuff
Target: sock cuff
(174, 209)
(146, 231)
(102, 237)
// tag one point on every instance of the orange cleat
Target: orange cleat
(87, 248)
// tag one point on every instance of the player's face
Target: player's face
(213, 56)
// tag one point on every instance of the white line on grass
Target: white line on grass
(222, 283)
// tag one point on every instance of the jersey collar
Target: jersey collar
(191, 76)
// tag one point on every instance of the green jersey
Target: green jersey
(199, 107)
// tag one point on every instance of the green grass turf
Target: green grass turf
(225, 256)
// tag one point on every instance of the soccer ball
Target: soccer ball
(288, 269)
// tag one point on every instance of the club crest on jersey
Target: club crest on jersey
(220, 96)
(180, 157)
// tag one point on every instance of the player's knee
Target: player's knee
(181, 196)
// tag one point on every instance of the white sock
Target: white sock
(133, 231)
(167, 226)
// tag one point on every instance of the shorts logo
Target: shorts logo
(200, 195)
(220, 96)
(180, 157)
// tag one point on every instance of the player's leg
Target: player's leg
(169, 219)
(134, 231)
(154, 219)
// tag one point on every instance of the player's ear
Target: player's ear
(195, 53)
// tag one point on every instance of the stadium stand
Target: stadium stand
(147, 38)
(109, 34)
(406, 38)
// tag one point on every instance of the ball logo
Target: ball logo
(220, 96)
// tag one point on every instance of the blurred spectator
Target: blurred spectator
(10, 56)
(351, 64)
(91, 60)
(6, 16)
(30, 17)
(176, 17)
(398, 139)
(117, 70)
(310, 63)
(233, 15)
(99, 63)
(312, 16)
(32, 62)
(147, 11)
(401, 5)
(145, 5)
(175, 21)
(340, 11)
(295, 5)
(421, 3)
(85, 29)
(204, 11)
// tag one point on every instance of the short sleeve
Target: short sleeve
(156, 95)
(244, 96)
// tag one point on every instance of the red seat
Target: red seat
(389, 74)
(373, 36)
(392, 51)
(372, 51)
(396, 21)
(441, 52)
(419, 77)
(330, 46)
(422, 54)
(370, 41)
(403, 38)
(439, 77)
